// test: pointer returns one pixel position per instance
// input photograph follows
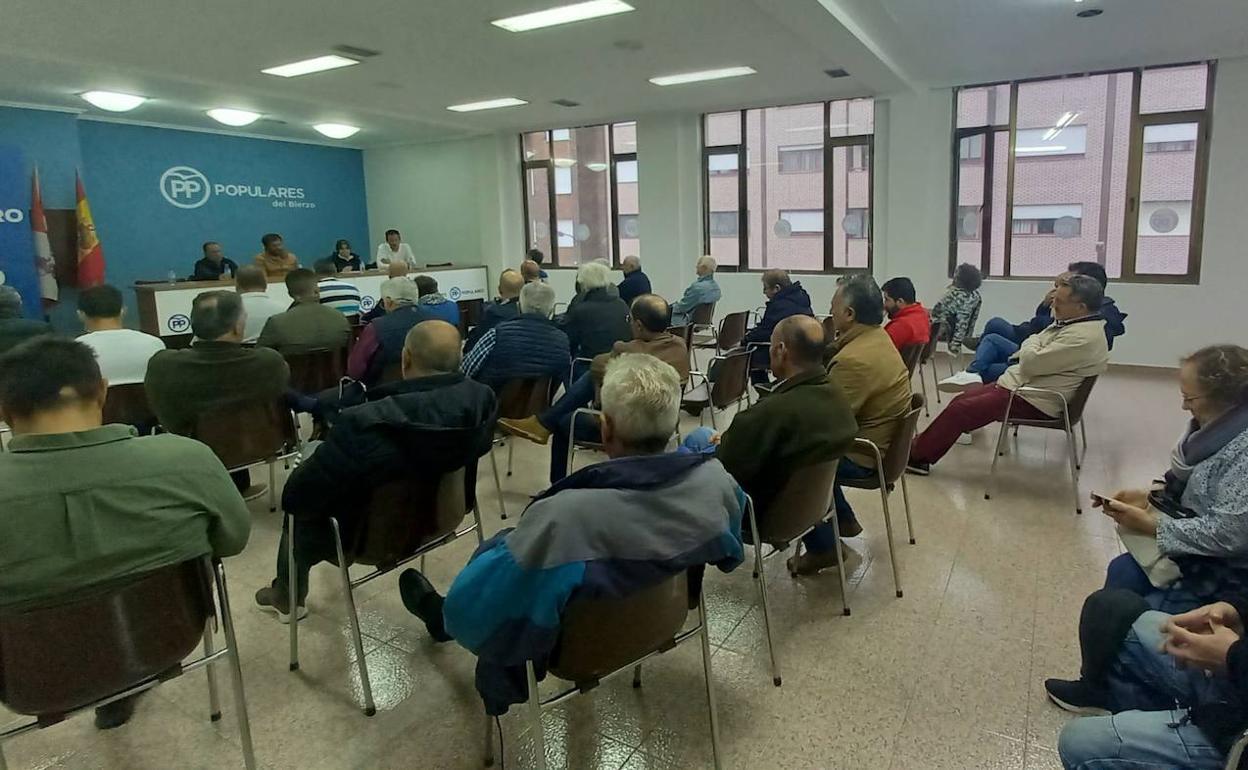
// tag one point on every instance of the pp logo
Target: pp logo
(13, 216)
(366, 303)
(178, 324)
(454, 293)
(185, 187)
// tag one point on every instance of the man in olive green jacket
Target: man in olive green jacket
(307, 325)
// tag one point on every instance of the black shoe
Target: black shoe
(1077, 696)
(422, 600)
(850, 528)
(272, 600)
(115, 714)
(919, 468)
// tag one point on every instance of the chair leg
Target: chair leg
(214, 700)
(1073, 452)
(489, 741)
(840, 565)
(905, 496)
(498, 485)
(292, 593)
(711, 408)
(1079, 458)
(888, 531)
(923, 387)
(3, 765)
(996, 455)
(272, 487)
(511, 447)
(369, 707)
(637, 677)
(935, 379)
(1084, 432)
(535, 715)
(760, 574)
(710, 687)
(236, 672)
(476, 515)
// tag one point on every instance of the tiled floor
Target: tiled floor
(947, 677)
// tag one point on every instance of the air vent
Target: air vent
(566, 103)
(271, 122)
(836, 73)
(1090, 13)
(359, 53)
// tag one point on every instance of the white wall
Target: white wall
(463, 199)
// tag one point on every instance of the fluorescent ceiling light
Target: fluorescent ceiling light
(563, 14)
(694, 77)
(113, 101)
(489, 104)
(1054, 148)
(233, 117)
(337, 130)
(308, 66)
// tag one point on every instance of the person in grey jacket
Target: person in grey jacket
(703, 291)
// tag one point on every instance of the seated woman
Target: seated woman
(345, 260)
(1200, 517)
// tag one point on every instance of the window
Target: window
(1124, 152)
(803, 202)
(581, 185)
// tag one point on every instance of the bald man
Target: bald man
(635, 282)
(504, 308)
(433, 421)
(531, 271)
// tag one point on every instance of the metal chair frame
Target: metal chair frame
(884, 494)
(594, 446)
(1236, 753)
(937, 331)
(506, 440)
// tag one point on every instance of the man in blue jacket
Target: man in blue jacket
(528, 346)
(635, 282)
(784, 298)
(608, 530)
(703, 291)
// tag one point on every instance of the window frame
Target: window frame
(1135, 155)
(830, 145)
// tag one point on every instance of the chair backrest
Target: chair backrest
(732, 329)
(898, 452)
(937, 331)
(63, 654)
(599, 636)
(732, 378)
(405, 514)
(911, 355)
(684, 332)
(703, 315)
(246, 432)
(127, 404)
(1080, 399)
(520, 398)
(316, 370)
(803, 502)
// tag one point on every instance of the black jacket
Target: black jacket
(495, 313)
(207, 270)
(595, 323)
(634, 285)
(791, 300)
(429, 425)
(14, 331)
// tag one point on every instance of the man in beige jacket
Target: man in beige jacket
(1059, 358)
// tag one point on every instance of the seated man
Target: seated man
(1059, 358)
(504, 308)
(595, 321)
(635, 282)
(609, 530)
(432, 421)
(434, 303)
(537, 257)
(274, 259)
(122, 353)
(869, 372)
(784, 298)
(526, 347)
(650, 318)
(703, 291)
(908, 322)
(214, 266)
(1001, 340)
(376, 354)
(1159, 691)
(336, 293)
(15, 328)
(258, 306)
(308, 325)
(532, 272)
(83, 503)
(214, 373)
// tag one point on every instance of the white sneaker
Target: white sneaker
(959, 382)
(965, 440)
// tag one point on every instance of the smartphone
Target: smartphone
(1101, 499)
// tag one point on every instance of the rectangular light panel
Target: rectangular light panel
(489, 104)
(564, 14)
(695, 77)
(308, 66)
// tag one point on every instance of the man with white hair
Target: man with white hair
(528, 346)
(379, 350)
(597, 320)
(611, 529)
(703, 291)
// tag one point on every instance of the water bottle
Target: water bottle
(173, 275)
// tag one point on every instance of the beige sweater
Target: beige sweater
(1058, 358)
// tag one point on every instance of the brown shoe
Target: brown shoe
(812, 563)
(529, 428)
(255, 492)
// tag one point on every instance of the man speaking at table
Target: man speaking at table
(275, 260)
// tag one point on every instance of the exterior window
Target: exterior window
(801, 160)
(724, 224)
(801, 222)
(563, 181)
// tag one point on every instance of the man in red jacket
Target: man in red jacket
(909, 324)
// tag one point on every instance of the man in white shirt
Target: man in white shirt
(252, 286)
(394, 250)
(122, 353)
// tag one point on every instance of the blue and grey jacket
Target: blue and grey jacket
(606, 531)
(703, 291)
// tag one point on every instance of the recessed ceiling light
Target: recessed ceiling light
(113, 101)
(563, 14)
(233, 117)
(489, 104)
(308, 66)
(694, 77)
(337, 130)
(564, 162)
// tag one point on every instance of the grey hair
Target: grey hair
(708, 261)
(1087, 291)
(537, 298)
(10, 302)
(862, 294)
(401, 290)
(641, 396)
(593, 275)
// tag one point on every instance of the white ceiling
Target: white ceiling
(191, 55)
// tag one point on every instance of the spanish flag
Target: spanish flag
(45, 262)
(90, 255)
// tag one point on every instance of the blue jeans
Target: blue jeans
(1149, 692)
(1124, 572)
(1002, 328)
(578, 394)
(992, 357)
(822, 538)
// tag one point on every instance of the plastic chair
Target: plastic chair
(517, 399)
(731, 331)
(102, 643)
(730, 385)
(127, 404)
(248, 433)
(599, 638)
(1072, 415)
(316, 370)
(403, 520)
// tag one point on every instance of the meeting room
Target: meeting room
(415, 385)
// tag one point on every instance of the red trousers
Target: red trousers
(970, 410)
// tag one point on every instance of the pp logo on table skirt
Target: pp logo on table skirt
(367, 303)
(454, 293)
(179, 324)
